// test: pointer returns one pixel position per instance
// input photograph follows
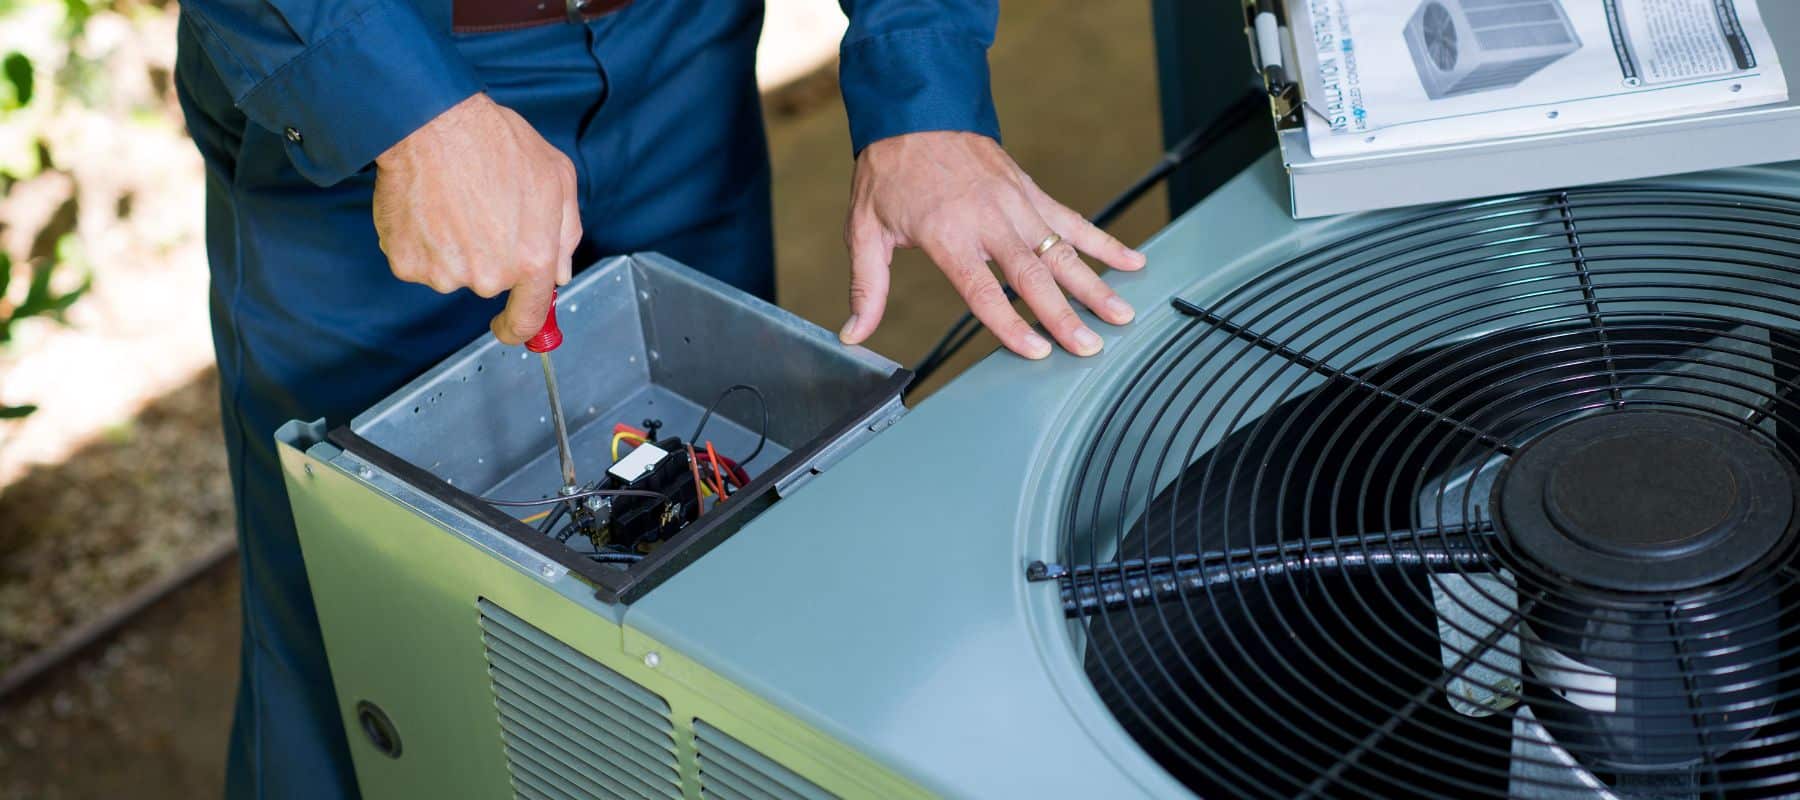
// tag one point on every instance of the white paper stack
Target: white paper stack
(1389, 75)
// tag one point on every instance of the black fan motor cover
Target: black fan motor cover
(1645, 513)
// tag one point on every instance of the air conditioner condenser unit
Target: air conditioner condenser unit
(1464, 46)
(1495, 499)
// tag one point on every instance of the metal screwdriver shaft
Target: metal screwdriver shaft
(549, 338)
(562, 427)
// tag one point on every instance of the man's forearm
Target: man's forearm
(340, 81)
(908, 66)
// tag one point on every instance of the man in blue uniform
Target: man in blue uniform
(381, 172)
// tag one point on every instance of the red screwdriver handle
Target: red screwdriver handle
(548, 337)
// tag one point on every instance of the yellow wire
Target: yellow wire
(705, 491)
(535, 517)
(636, 440)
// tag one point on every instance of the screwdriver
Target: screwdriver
(547, 339)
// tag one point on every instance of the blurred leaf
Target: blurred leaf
(68, 245)
(17, 68)
(84, 79)
(15, 412)
(76, 14)
(40, 297)
(20, 161)
(18, 81)
(5, 273)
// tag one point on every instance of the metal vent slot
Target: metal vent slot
(573, 728)
(730, 769)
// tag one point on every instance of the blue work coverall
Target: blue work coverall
(290, 101)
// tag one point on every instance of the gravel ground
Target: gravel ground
(77, 536)
(144, 716)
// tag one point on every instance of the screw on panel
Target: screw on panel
(308, 468)
(548, 570)
(365, 473)
(652, 660)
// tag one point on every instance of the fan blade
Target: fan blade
(1469, 607)
(1730, 374)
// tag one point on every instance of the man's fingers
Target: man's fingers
(1035, 281)
(870, 258)
(571, 227)
(1082, 284)
(526, 307)
(970, 275)
(1087, 238)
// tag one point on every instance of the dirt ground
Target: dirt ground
(145, 714)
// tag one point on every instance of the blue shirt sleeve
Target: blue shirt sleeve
(917, 65)
(341, 80)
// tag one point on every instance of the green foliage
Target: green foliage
(84, 80)
(77, 12)
(41, 299)
(16, 67)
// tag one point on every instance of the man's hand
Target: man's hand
(961, 198)
(477, 200)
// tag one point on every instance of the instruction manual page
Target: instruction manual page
(1381, 75)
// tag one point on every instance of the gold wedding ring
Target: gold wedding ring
(1049, 241)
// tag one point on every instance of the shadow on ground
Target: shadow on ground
(144, 714)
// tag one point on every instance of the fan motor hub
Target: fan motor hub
(1645, 501)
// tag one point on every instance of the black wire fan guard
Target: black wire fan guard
(1497, 500)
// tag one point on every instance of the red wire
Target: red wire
(734, 473)
(694, 464)
(712, 457)
(738, 475)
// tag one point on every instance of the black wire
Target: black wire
(577, 496)
(1201, 139)
(949, 343)
(762, 432)
(549, 523)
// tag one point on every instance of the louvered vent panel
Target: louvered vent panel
(573, 728)
(731, 770)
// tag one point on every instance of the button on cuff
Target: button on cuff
(293, 134)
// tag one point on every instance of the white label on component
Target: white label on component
(1589, 687)
(640, 460)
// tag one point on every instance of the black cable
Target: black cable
(762, 433)
(1200, 140)
(555, 516)
(944, 346)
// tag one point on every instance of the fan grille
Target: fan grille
(1281, 554)
(1440, 37)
